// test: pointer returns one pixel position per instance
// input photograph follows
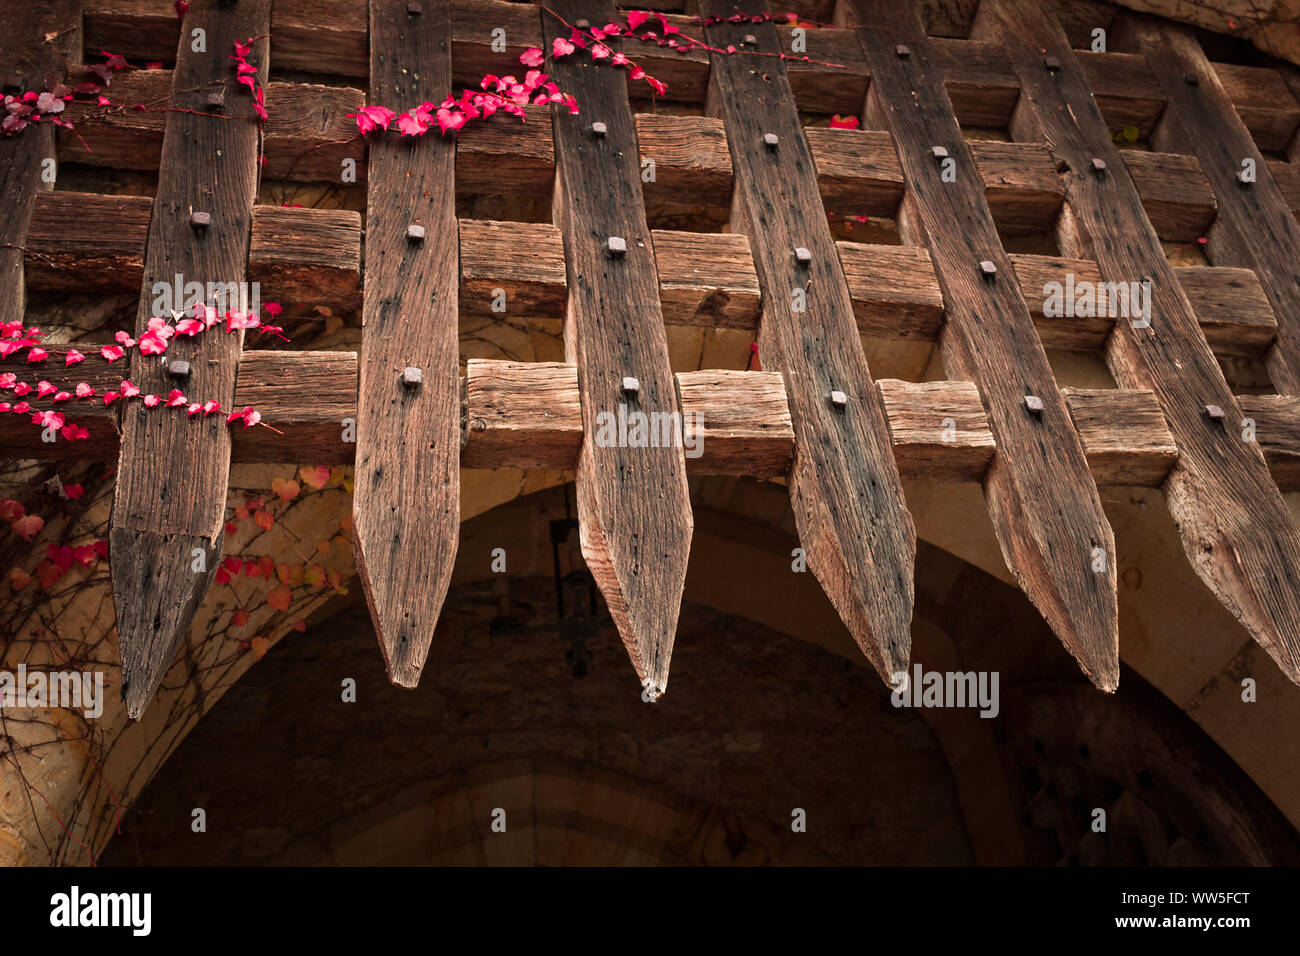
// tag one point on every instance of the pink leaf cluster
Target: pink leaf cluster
(504, 94)
(153, 341)
(245, 73)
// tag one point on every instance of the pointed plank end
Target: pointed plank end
(159, 581)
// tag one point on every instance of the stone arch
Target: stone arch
(743, 536)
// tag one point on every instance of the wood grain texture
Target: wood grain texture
(691, 164)
(306, 136)
(739, 420)
(939, 429)
(28, 56)
(634, 508)
(407, 501)
(502, 155)
(706, 280)
(893, 290)
(1042, 499)
(1231, 308)
(305, 396)
(857, 171)
(1020, 185)
(525, 260)
(1124, 435)
(1277, 428)
(528, 415)
(307, 257)
(166, 528)
(521, 415)
(844, 486)
(1175, 194)
(1125, 91)
(1237, 532)
(85, 241)
(1260, 96)
(1255, 227)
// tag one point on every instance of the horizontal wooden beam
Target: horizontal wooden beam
(306, 138)
(526, 415)
(312, 256)
(326, 36)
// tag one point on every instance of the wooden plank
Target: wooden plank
(1277, 428)
(1287, 177)
(1124, 435)
(1126, 92)
(893, 290)
(528, 415)
(503, 156)
(407, 502)
(1260, 96)
(1020, 185)
(692, 167)
(521, 415)
(741, 419)
(86, 242)
(1175, 194)
(307, 257)
(706, 280)
(1044, 505)
(1255, 228)
(1035, 275)
(939, 429)
(844, 486)
(980, 82)
(27, 57)
(1236, 530)
(304, 396)
(857, 171)
(524, 260)
(307, 132)
(634, 508)
(169, 503)
(1231, 308)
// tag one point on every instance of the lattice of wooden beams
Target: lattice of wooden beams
(816, 416)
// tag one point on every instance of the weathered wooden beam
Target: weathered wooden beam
(1124, 435)
(844, 486)
(1126, 92)
(1231, 308)
(169, 503)
(741, 418)
(502, 155)
(307, 134)
(27, 57)
(1021, 186)
(707, 280)
(1259, 94)
(1175, 194)
(1236, 530)
(528, 415)
(939, 429)
(893, 290)
(521, 415)
(1276, 419)
(87, 241)
(407, 501)
(857, 171)
(1043, 502)
(692, 167)
(1255, 227)
(634, 508)
(307, 257)
(523, 260)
